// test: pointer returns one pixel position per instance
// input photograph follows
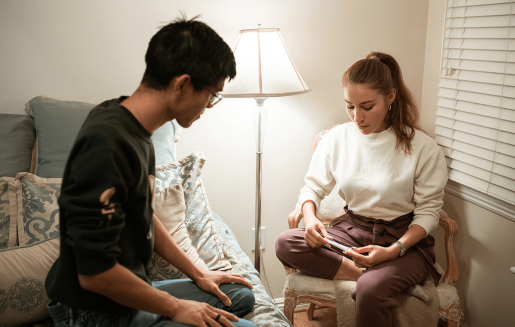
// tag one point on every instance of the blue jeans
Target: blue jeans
(242, 300)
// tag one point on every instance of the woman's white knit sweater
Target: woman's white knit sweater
(375, 179)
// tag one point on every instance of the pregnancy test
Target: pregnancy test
(338, 245)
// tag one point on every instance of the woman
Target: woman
(392, 177)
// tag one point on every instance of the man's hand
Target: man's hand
(202, 314)
(376, 255)
(210, 281)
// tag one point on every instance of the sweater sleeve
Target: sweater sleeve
(96, 185)
(319, 180)
(428, 192)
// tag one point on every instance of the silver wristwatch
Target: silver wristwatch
(401, 245)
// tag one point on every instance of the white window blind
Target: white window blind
(476, 106)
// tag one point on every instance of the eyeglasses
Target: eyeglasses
(215, 98)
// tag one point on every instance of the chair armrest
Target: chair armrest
(320, 135)
(294, 218)
(452, 272)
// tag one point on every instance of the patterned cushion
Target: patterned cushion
(38, 210)
(23, 271)
(265, 313)
(170, 209)
(199, 219)
(8, 213)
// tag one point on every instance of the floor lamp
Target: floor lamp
(264, 70)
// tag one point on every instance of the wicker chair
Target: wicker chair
(318, 292)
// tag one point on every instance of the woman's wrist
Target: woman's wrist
(394, 251)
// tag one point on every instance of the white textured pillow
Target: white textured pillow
(170, 208)
(331, 206)
(23, 271)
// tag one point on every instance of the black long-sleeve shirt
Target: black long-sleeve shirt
(105, 205)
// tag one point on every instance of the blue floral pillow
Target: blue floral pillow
(199, 219)
(8, 209)
(38, 209)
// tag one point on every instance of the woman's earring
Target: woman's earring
(389, 107)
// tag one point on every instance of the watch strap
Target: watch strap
(403, 248)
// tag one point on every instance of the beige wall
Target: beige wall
(485, 244)
(94, 50)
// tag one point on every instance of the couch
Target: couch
(34, 146)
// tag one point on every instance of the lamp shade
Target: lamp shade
(264, 67)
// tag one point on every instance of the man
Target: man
(108, 229)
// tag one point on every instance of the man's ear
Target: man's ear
(178, 83)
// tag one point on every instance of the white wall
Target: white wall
(485, 244)
(94, 50)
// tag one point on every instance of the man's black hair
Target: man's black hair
(188, 47)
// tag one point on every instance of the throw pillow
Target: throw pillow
(17, 137)
(8, 213)
(165, 142)
(199, 220)
(57, 124)
(171, 209)
(23, 271)
(38, 210)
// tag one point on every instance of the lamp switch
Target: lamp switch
(262, 238)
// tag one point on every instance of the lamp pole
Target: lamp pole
(259, 133)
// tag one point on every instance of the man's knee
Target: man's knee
(242, 299)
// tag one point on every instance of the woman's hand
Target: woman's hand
(202, 314)
(314, 228)
(376, 255)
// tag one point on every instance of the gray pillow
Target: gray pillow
(17, 138)
(57, 124)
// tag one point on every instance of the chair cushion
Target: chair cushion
(447, 294)
(307, 284)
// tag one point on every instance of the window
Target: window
(476, 106)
